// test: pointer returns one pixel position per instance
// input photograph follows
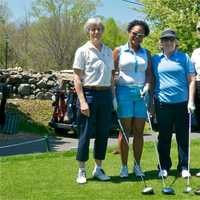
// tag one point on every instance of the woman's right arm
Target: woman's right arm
(79, 90)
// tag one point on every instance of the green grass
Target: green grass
(34, 115)
(51, 176)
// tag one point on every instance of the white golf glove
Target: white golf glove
(115, 105)
(191, 107)
(144, 92)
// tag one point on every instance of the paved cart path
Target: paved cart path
(22, 143)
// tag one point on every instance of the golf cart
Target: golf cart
(64, 110)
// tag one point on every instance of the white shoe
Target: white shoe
(100, 174)
(185, 173)
(163, 173)
(81, 178)
(137, 170)
(124, 172)
(198, 174)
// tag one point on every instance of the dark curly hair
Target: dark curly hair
(140, 23)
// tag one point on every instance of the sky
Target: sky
(118, 9)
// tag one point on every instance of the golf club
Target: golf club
(188, 188)
(147, 189)
(197, 191)
(165, 190)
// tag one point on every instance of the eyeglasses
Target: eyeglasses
(138, 34)
(95, 29)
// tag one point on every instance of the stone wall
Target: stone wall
(33, 85)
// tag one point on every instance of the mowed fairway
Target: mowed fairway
(51, 176)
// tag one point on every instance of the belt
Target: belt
(97, 88)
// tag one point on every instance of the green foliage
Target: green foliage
(4, 16)
(50, 40)
(113, 35)
(181, 15)
(4, 12)
(51, 176)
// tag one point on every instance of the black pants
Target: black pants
(197, 103)
(172, 117)
(96, 126)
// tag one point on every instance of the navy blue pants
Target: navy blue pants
(172, 118)
(96, 126)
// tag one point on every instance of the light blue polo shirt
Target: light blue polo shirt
(171, 83)
(132, 65)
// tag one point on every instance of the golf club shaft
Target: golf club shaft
(154, 141)
(189, 143)
(123, 132)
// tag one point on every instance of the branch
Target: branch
(139, 4)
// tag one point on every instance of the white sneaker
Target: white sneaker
(185, 173)
(137, 170)
(99, 174)
(124, 172)
(81, 178)
(163, 173)
(198, 174)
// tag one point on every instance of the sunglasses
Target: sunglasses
(138, 34)
(171, 39)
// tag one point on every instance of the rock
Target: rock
(32, 84)
(42, 83)
(14, 79)
(24, 89)
(40, 95)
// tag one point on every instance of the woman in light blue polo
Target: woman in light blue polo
(174, 98)
(133, 82)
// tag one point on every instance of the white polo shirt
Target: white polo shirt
(96, 65)
(196, 60)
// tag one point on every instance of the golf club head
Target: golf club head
(187, 189)
(168, 191)
(197, 191)
(148, 190)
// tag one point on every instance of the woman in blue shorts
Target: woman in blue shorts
(133, 64)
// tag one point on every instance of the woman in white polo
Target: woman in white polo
(93, 65)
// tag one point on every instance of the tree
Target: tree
(4, 12)
(181, 15)
(113, 35)
(4, 16)
(58, 30)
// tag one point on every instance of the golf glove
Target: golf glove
(115, 105)
(191, 107)
(144, 92)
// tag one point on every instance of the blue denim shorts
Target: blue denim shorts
(130, 103)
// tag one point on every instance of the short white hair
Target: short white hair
(93, 21)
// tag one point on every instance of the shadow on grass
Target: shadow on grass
(26, 122)
(149, 175)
